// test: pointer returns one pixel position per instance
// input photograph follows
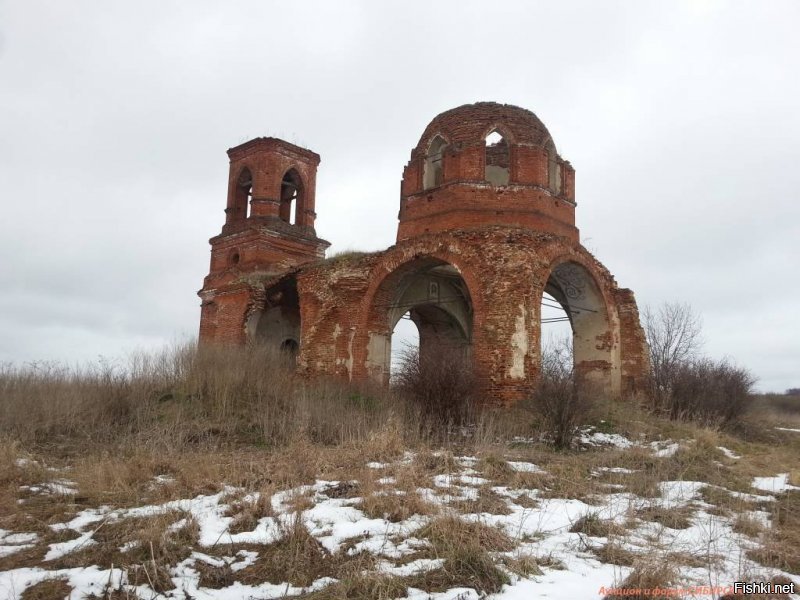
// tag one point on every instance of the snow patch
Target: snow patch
(775, 485)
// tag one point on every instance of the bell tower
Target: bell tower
(269, 228)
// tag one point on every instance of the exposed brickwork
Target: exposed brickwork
(465, 198)
(500, 247)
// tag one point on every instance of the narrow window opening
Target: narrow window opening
(433, 175)
(291, 192)
(244, 193)
(498, 159)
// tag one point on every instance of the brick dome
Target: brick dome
(471, 123)
(486, 164)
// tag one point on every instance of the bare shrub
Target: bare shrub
(673, 332)
(440, 384)
(558, 398)
(684, 385)
(708, 391)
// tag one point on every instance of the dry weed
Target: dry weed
(47, 589)
(396, 506)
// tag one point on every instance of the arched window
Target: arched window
(498, 159)
(433, 174)
(291, 193)
(243, 193)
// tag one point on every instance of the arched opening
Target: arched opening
(573, 309)
(498, 159)
(434, 299)
(291, 194)
(243, 193)
(556, 332)
(404, 343)
(433, 174)
(277, 325)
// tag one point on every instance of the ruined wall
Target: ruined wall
(345, 307)
(492, 226)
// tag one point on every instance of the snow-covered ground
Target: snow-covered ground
(540, 528)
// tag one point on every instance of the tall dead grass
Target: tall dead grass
(185, 397)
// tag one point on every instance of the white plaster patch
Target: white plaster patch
(519, 345)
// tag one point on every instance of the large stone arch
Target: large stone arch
(581, 286)
(439, 291)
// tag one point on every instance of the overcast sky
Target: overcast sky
(682, 120)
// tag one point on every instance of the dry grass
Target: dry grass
(363, 586)
(488, 501)
(396, 506)
(747, 526)
(49, 589)
(215, 576)
(674, 518)
(523, 565)
(247, 511)
(615, 553)
(465, 547)
(446, 532)
(781, 544)
(593, 526)
(297, 558)
(429, 462)
(184, 397)
(646, 576)
(496, 467)
(188, 423)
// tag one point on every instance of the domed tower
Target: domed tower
(486, 164)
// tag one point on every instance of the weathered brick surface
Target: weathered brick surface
(507, 244)
(532, 198)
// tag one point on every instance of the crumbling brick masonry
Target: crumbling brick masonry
(486, 228)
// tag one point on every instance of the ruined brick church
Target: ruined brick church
(486, 229)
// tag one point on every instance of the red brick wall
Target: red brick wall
(505, 269)
(504, 241)
(464, 205)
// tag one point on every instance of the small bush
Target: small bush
(709, 392)
(439, 383)
(558, 398)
